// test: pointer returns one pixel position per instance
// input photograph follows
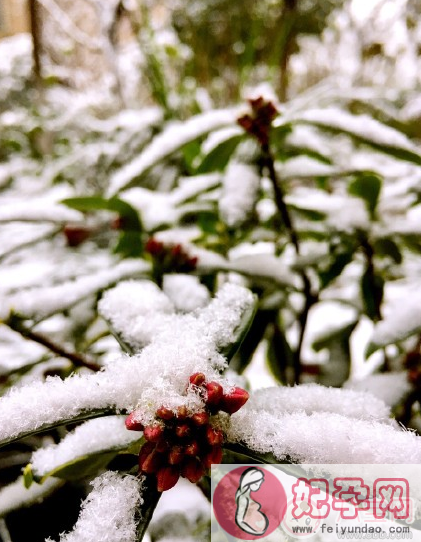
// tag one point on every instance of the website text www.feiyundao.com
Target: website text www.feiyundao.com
(336, 502)
(358, 532)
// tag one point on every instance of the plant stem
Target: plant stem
(150, 497)
(36, 39)
(288, 34)
(77, 359)
(310, 298)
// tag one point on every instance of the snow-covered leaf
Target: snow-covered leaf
(109, 512)
(323, 437)
(15, 495)
(402, 320)
(192, 343)
(364, 129)
(173, 138)
(83, 452)
(39, 303)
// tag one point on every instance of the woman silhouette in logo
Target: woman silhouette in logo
(248, 515)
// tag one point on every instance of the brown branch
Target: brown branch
(310, 298)
(77, 359)
(36, 39)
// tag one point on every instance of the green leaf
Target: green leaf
(372, 287)
(340, 261)
(241, 331)
(279, 355)
(130, 218)
(28, 476)
(130, 244)
(81, 467)
(388, 247)
(367, 187)
(341, 333)
(252, 340)
(219, 156)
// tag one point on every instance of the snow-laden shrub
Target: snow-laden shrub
(200, 248)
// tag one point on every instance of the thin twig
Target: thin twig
(310, 298)
(77, 359)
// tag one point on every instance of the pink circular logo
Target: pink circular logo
(249, 502)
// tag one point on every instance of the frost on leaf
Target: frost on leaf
(108, 513)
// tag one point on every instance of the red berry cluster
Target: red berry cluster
(169, 257)
(259, 122)
(184, 444)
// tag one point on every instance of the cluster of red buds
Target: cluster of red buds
(186, 444)
(170, 257)
(259, 122)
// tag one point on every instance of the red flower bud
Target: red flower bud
(213, 457)
(132, 423)
(234, 400)
(182, 430)
(200, 418)
(197, 379)
(176, 455)
(192, 469)
(215, 393)
(192, 449)
(182, 413)
(154, 247)
(214, 436)
(167, 477)
(76, 235)
(165, 413)
(149, 459)
(162, 445)
(153, 433)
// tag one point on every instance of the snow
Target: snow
(402, 318)
(108, 513)
(164, 208)
(239, 193)
(99, 435)
(362, 126)
(37, 211)
(143, 381)
(323, 437)
(15, 495)
(344, 213)
(39, 303)
(186, 292)
(136, 310)
(388, 387)
(175, 136)
(304, 166)
(315, 398)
